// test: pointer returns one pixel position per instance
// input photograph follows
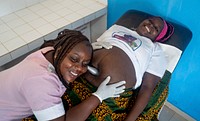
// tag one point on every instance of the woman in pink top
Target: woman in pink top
(36, 84)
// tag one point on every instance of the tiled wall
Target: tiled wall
(9, 6)
(24, 30)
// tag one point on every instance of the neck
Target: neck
(49, 56)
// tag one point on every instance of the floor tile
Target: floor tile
(177, 117)
(166, 114)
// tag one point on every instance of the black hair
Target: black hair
(63, 44)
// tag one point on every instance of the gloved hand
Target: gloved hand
(105, 91)
(101, 44)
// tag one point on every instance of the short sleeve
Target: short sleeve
(43, 94)
(157, 64)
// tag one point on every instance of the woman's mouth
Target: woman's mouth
(147, 28)
(74, 74)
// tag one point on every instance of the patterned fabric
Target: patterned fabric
(160, 93)
(116, 109)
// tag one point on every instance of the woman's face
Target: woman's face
(151, 27)
(76, 61)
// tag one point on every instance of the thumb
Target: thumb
(106, 80)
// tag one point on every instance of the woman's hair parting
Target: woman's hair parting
(166, 32)
(63, 44)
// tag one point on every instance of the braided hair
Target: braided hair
(63, 44)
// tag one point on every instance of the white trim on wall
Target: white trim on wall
(103, 1)
(178, 111)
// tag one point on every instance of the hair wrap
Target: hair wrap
(163, 32)
(166, 32)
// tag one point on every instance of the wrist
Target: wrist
(100, 99)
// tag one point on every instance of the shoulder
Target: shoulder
(40, 88)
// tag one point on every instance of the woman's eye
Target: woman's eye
(73, 59)
(156, 29)
(85, 64)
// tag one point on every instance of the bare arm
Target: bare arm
(85, 108)
(81, 111)
(149, 83)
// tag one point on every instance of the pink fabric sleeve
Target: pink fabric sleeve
(43, 91)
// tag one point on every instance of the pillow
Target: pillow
(173, 47)
(172, 55)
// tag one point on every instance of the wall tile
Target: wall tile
(9, 17)
(30, 36)
(46, 29)
(5, 7)
(37, 23)
(3, 50)
(14, 43)
(19, 52)
(15, 23)
(30, 17)
(6, 36)
(4, 28)
(35, 44)
(17, 4)
(23, 29)
(5, 59)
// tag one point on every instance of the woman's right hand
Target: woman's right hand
(105, 91)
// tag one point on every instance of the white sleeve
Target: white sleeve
(157, 64)
(50, 113)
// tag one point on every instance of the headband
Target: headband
(166, 32)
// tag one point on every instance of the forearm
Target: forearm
(83, 110)
(140, 103)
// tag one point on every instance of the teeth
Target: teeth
(74, 74)
(147, 28)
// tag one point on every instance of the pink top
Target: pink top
(31, 87)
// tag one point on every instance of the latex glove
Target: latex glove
(105, 91)
(101, 44)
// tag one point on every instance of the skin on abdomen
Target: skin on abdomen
(113, 62)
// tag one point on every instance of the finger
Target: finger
(107, 45)
(118, 84)
(120, 88)
(119, 91)
(116, 95)
(96, 47)
(106, 80)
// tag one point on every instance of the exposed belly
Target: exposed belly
(113, 62)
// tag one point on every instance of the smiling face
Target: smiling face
(76, 61)
(150, 28)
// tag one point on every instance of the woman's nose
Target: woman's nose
(79, 67)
